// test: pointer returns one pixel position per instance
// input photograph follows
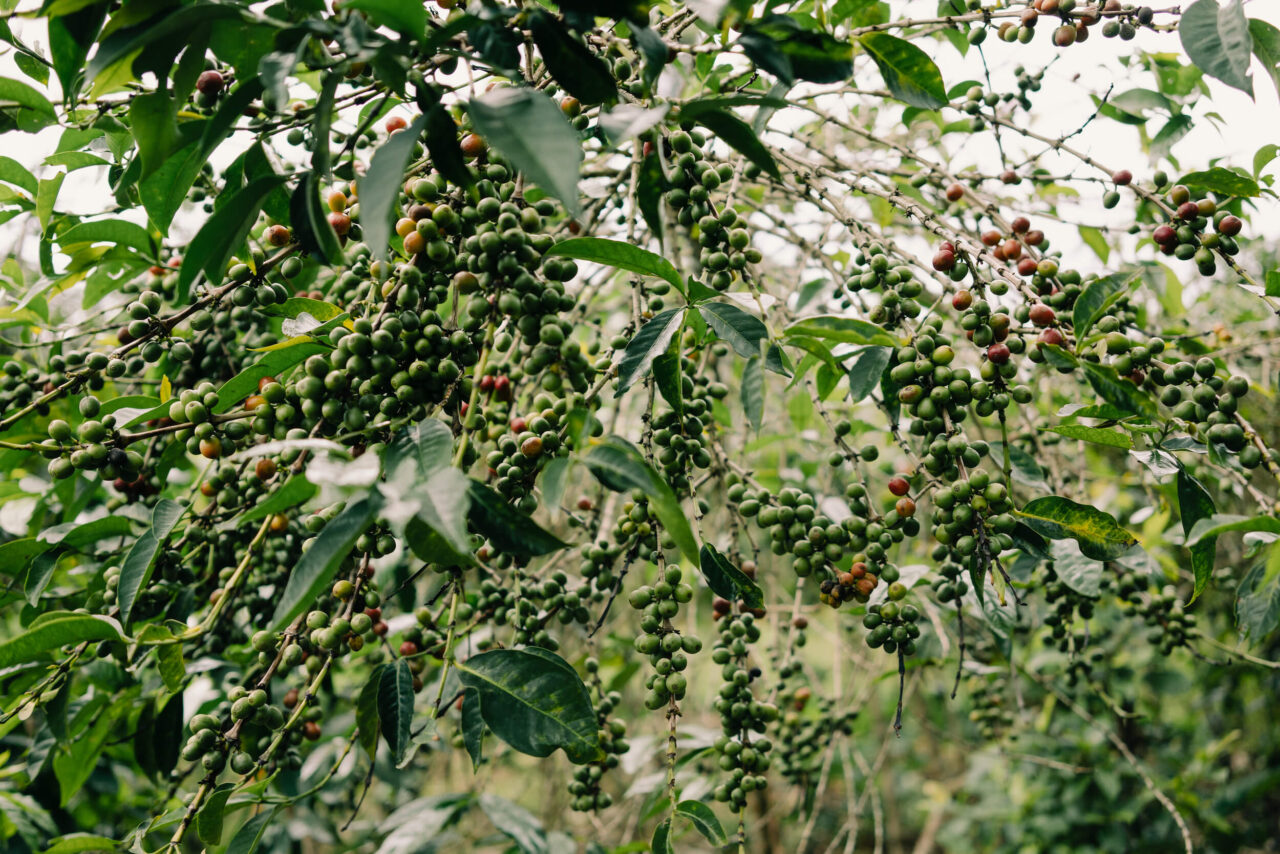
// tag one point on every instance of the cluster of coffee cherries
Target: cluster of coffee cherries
(1209, 404)
(988, 705)
(725, 246)
(667, 649)
(1187, 236)
(873, 271)
(1169, 626)
(680, 442)
(744, 752)
(814, 542)
(891, 625)
(949, 585)
(585, 788)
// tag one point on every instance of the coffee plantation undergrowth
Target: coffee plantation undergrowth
(634, 426)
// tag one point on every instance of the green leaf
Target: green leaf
(742, 331)
(661, 842)
(172, 667)
(737, 134)
(135, 572)
(908, 72)
(1096, 435)
(1217, 40)
(30, 108)
(573, 65)
(620, 467)
(443, 147)
(1022, 466)
(1194, 504)
(726, 580)
(867, 370)
(753, 391)
(847, 330)
(314, 572)
(320, 125)
(311, 223)
(380, 186)
(46, 197)
(153, 120)
(368, 718)
(702, 818)
(651, 341)
(272, 364)
(118, 231)
(1082, 574)
(13, 172)
(472, 727)
(294, 491)
(428, 444)
(408, 19)
(1224, 523)
(1098, 296)
(1266, 47)
(1120, 393)
(209, 819)
(1226, 182)
(1175, 129)
(223, 233)
(666, 374)
(1258, 597)
(624, 256)
(534, 701)
(508, 529)
(80, 843)
(528, 129)
(1099, 535)
(53, 630)
(516, 822)
(778, 44)
(250, 833)
(395, 709)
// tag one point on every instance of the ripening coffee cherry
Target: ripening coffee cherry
(944, 260)
(395, 123)
(277, 235)
(472, 145)
(1122, 177)
(209, 82)
(998, 353)
(340, 222)
(1230, 225)
(1042, 315)
(955, 192)
(899, 486)
(962, 300)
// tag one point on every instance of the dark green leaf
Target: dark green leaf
(702, 818)
(135, 572)
(272, 364)
(1099, 535)
(311, 223)
(666, 373)
(534, 701)
(651, 341)
(1082, 574)
(209, 819)
(726, 580)
(661, 842)
(1223, 181)
(473, 727)
(1093, 302)
(314, 572)
(250, 833)
(30, 108)
(742, 331)
(380, 187)
(442, 145)
(908, 72)
(619, 466)
(395, 708)
(527, 128)
(1118, 392)
(118, 231)
(573, 65)
(1258, 598)
(223, 233)
(736, 133)
(153, 120)
(866, 371)
(778, 44)
(320, 152)
(1194, 504)
(1223, 523)
(508, 529)
(516, 822)
(1217, 40)
(753, 391)
(624, 256)
(368, 719)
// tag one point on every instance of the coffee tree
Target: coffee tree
(705, 410)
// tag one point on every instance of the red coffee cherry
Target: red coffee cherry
(1122, 177)
(955, 192)
(962, 300)
(1052, 336)
(210, 82)
(396, 123)
(1042, 315)
(991, 237)
(1166, 234)
(1230, 226)
(1021, 225)
(408, 648)
(944, 260)
(899, 486)
(998, 353)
